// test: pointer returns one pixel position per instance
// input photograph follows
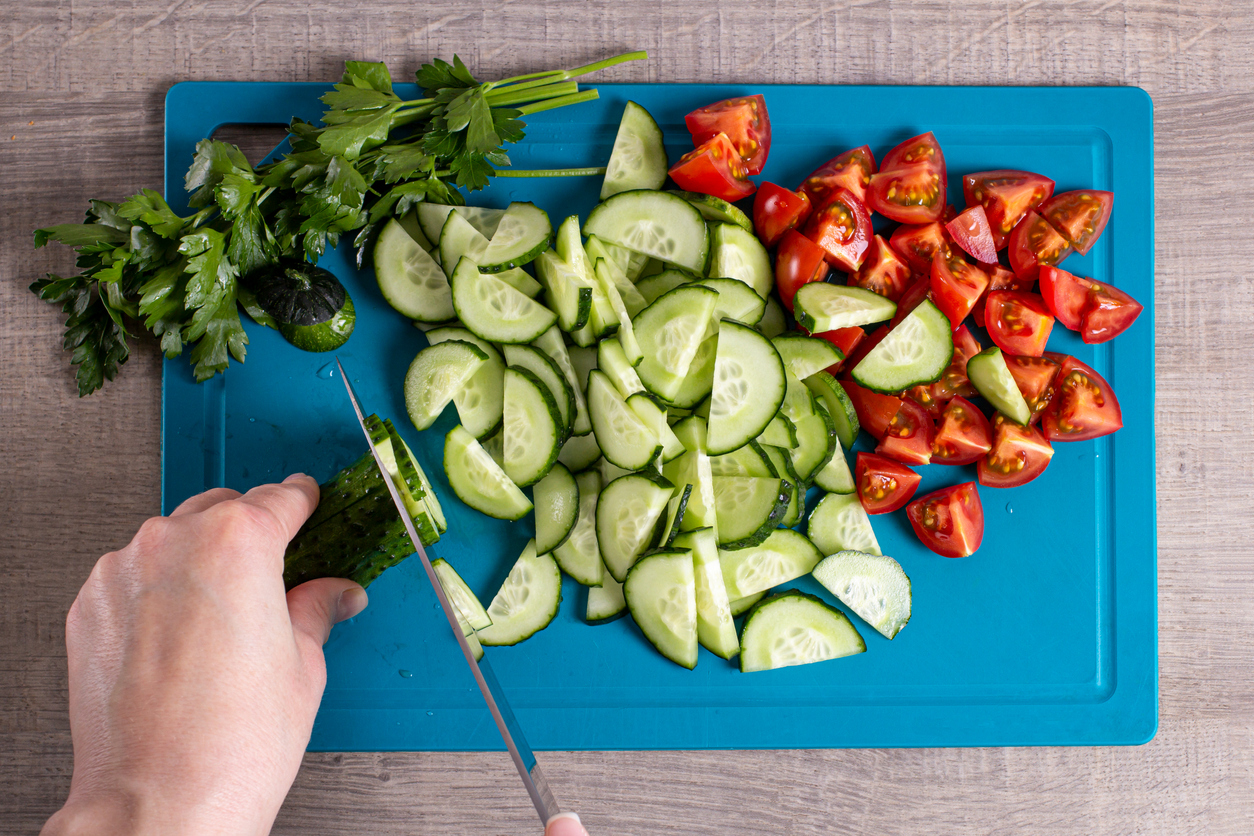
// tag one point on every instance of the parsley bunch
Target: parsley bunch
(374, 157)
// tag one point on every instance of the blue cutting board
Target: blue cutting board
(1046, 636)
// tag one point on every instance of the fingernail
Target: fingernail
(564, 824)
(351, 602)
(294, 477)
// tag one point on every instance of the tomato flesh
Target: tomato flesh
(950, 521)
(911, 299)
(883, 484)
(798, 261)
(956, 285)
(917, 150)
(1033, 244)
(971, 231)
(914, 195)
(883, 271)
(953, 381)
(745, 122)
(1035, 378)
(1108, 312)
(909, 435)
(1018, 322)
(851, 170)
(1065, 295)
(865, 345)
(875, 411)
(999, 278)
(1084, 406)
(842, 227)
(845, 339)
(963, 436)
(1079, 216)
(777, 210)
(714, 168)
(1018, 456)
(919, 243)
(1006, 196)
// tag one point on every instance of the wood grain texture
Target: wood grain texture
(81, 86)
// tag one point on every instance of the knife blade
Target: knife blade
(524, 759)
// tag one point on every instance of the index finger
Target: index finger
(290, 503)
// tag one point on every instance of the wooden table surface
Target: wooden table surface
(81, 89)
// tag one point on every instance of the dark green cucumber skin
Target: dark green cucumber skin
(598, 621)
(359, 543)
(773, 521)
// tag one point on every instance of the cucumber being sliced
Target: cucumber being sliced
(493, 310)
(480, 482)
(605, 602)
(822, 306)
(874, 587)
(748, 509)
(839, 406)
(742, 605)
(715, 629)
(556, 498)
(750, 460)
(522, 234)
(564, 291)
(669, 332)
(782, 557)
(736, 301)
(748, 387)
(655, 223)
(409, 279)
(533, 433)
(804, 356)
(436, 375)
(840, 523)
(460, 240)
(716, 209)
(551, 343)
(661, 594)
(638, 160)
(700, 378)
(534, 360)
(834, 477)
(405, 459)
(469, 610)
(626, 516)
(772, 323)
(580, 452)
(432, 217)
(915, 352)
(992, 379)
(736, 253)
(624, 439)
(580, 555)
(659, 284)
(406, 475)
(481, 400)
(526, 602)
(793, 628)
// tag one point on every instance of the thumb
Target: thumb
(318, 605)
(565, 824)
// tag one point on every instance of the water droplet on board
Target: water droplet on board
(252, 420)
(1009, 510)
(430, 713)
(405, 674)
(326, 372)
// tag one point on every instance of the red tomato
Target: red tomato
(956, 285)
(1079, 216)
(883, 484)
(950, 521)
(1006, 197)
(918, 243)
(914, 195)
(777, 210)
(911, 299)
(1108, 312)
(909, 435)
(845, 339)
(1033, 244)
(875, 411)
(843, 228)
(1035, 378)
(963, 435)
(798, 261)
(917, 150)
(1065, 295)
(971, 231)
(883, 272)
(851, 170)
(745, 122)
(999, 278)
(1018, 322)
(864, 347)
(953, 381)
(1084, 407)
(1019, 455)
(713, 168)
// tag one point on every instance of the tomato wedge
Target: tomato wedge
(911, 299)
(909, 435)
(956, 285)
(777, 210)
(1006, 196)
(919, 243)
(875, 411)
(845, 339)
(963, 436)
(883, 271)
(798, 261)
(1079, 216)
(714, 168)
(917, 150)
(971, 231)
(1065, 295)
(883, 484)
(745, 122)
(1084, 407)
(1035, 378)
(842, 227)
(1034, 244)
(851, 170)
(999, 278)
(1108, 313)
(912, 195)
(1019, 455)
(953, 381)
(1018, 322)
(950, 521)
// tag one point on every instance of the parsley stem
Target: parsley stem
(560, 101)
(509, 97)
(525, 81)
(551, 172)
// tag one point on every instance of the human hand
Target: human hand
(565, 824)
(194, 679)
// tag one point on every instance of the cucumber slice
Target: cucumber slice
(804, 356)
(793, 628)
(580, 452)
(693, 469)
(564, 291)
(580, 555)
(748, 387)
(782, 557)
(750, 460)
(409, 279)
(915, 352)
(638, 160)
(737, 301)
(839, 406)
(700, 378)
(840, 523)
(630, 262)
(542, 366)
(551, 343)
(626, 333)
(583, 359)
(676, 510)
(556, 498)
(781, 432)
(782, 462)
(659, 284)
(661, 594)
(834, 477)
(624, 439)
(404, 459)
(773, 323)
(521, 280)
(470, 612)
(816, 435)
(654, 416)
(460, 240)
(610, 472)
(669, 332)
(628, 292)
(522, 234)
(821, 306)
(526, 602)
(715, 629)
(406, 475)
(992, 379)
(716, 209)
(436, 375)
(533, 432)
(480, 482)
(742, 605)
(480, 403)
(654, 223)
(493, 310)
(613, 361)
(409, 221)
(736, 253)
(432, 217)
(626, 516)
(748, 509)
(605, 602)
(874, 587)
